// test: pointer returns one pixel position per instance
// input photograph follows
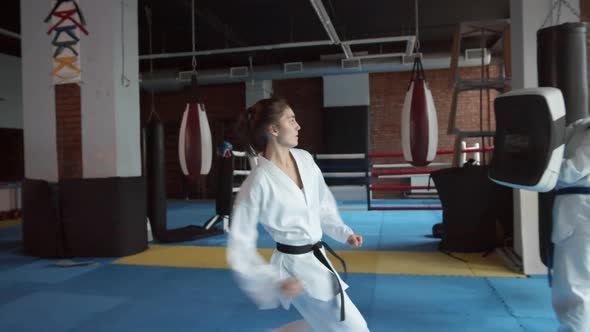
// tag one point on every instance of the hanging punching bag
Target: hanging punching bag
(561, 63)
(155, 164)
(195, 148)
(419, 126)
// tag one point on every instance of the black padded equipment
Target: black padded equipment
(104, 217)
(42, 231)
(84, 217)
(437, 230)
(470, 208)
(528, 139)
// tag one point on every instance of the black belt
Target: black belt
(298, 250)
(573, 190)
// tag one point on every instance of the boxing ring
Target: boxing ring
(379, 171)
(354, 175)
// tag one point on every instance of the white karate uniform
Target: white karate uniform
(571, 234)
(292, 216)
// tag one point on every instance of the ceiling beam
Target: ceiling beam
(320, 10)
(9, 33)
(217, 24)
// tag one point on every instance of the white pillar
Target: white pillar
(346, 90)
(39, 122)
(109, 107)
(110, 103)
(527, 17)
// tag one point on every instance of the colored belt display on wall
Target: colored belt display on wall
(67, 21)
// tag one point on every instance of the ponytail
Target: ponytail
(258, 117)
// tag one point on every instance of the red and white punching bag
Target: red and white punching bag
(419, 126)
(195, 146)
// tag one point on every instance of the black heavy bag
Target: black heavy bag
(156, 177)
(156, 191)
(469, 212)
(561, 63)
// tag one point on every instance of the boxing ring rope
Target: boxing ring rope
(245, 162)
(341, 156)
(239, 153)
(411, 172)
(408, 165)
(383, 173)
(404, 208)
(399, 187)
(439, 152)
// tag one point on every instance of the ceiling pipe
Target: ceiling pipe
(235, 50)
(409, 47)
(169, 80)
(319, 8)
(379, 40)
(383, 55)
(9, 33)
(410, 42)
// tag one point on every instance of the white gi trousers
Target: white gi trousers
(571, 262)
(571, 283)
(324, 316)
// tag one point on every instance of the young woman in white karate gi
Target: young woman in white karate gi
(571, 232)
(286, 193)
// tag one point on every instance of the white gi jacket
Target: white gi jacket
(292, 216)
(571, 233)
(571, 211)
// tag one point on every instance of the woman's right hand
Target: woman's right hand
(291, 287)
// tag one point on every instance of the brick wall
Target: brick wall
(68, 130)
(387, 91)
(387, 97)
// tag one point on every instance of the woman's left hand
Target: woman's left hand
(355, 240)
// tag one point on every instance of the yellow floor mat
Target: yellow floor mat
(357, 261)
(9, 222)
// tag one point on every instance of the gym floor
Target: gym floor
(398, 280)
